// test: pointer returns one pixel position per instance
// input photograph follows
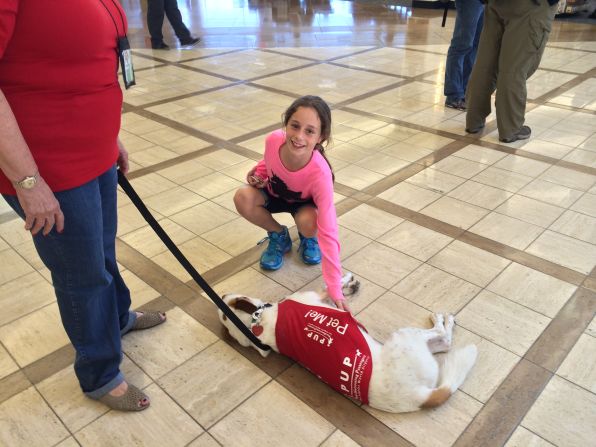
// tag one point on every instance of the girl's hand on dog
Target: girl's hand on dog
(342, 305)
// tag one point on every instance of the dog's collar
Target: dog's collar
(255, 324)
(256, 315)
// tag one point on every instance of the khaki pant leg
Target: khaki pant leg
(483, 79)
(524, 39)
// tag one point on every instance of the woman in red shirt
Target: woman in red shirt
(60, 105)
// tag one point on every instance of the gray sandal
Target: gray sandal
(129, 401)
(147, 320)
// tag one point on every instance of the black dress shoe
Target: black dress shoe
(160, 46)
(190, 41)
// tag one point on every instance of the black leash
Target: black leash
(445, 13)
(136, 200)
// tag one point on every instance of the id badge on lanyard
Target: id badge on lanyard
(125, 57)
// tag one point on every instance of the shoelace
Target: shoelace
(274, 244)
(309, 243)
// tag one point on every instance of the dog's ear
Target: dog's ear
(243, 304)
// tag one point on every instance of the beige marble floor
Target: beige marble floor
(430, 220)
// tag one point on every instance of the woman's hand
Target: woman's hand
(41, 208)
(122, 158)
(255, 180)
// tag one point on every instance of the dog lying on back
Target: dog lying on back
(399, 376)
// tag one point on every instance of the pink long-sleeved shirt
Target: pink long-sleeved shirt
(312, 181)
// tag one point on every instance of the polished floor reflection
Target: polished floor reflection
(431, 219)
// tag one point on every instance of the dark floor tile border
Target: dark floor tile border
(506, 408)
(555, 47)
(344, 105)
(351, 419)
(555, 342)
(579, 78)
(509, 404)
(476, 139)
(523, 258)
(572, 108)
(50, 364)
(13, 384)
(590, 283)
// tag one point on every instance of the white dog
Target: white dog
(401, 375)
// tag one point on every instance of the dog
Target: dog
(399, 376)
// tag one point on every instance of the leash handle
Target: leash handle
(138, 203)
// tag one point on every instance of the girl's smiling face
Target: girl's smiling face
(303, 132)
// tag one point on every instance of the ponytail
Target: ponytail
(319, 147)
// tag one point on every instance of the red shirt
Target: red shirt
(58, 71)
(328, 342)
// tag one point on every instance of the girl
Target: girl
(295, 177)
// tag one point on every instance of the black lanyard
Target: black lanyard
(124, 55)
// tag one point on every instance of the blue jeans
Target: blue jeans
(462, 51)
(93, 300)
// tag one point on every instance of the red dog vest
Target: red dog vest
(328, 343)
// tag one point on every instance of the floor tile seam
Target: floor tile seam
(132, 107)
(559, 71)
(228, 50)
(480, 289)
(498, 248)
(571, 382)
(568, 107)
(239, 404)
(420, 50)
(482, 338)
(56, 415)
(252, 81)
(230, 79)
(152, 67)
(7, 216)
(335, 418)
(583, 303)
(556, 47)
(572, 83)
(479, 423)
(280, 51)
(368, 70)
(538, 157)
(29, 312)
(14, 249)
(164, 61)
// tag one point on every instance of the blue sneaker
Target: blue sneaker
(279, 244)
(309, 250)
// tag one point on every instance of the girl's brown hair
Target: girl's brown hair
(324, 113)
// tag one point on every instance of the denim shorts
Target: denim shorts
(278, 205)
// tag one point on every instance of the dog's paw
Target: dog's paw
(352, 287)
(437, 319)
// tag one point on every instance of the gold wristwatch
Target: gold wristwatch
(27, 182)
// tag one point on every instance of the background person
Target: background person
(512, 42)
(156, 10)
(462, 51)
